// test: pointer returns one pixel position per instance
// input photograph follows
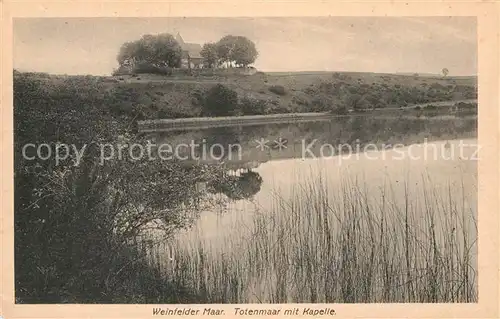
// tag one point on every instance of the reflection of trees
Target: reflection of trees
(243, 186)
(223, 136)
(250, 183)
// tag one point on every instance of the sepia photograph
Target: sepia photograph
(183, 160)
(240, 160)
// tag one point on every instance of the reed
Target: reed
(347, 245)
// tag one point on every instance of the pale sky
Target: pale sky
(358, 44)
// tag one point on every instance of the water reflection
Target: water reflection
(238, 152)
(226, 138)
(238, 186)
(286, 215)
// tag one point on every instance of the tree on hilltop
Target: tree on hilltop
(161, 50)
(224, 48)
(445, 71)
(209, 54)
(237, 50)
(244, 52)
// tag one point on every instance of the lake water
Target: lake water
(434, 167)
(416, 171)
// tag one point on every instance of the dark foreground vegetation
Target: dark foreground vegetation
(75, 225)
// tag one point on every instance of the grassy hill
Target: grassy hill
(149, 96)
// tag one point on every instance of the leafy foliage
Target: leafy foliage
(220, 101)
(277, 89)
(75, 224)
(239, 187)
(209, 54)
(252, 106)
(158, 51)
(236, 49)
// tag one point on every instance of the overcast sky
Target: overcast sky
(374, 44)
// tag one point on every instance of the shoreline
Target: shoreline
(195, 123)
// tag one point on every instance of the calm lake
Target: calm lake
(379, 186)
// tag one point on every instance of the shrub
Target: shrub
(110, 80)
(437, 86)
(251, 106)
(122, 70)
(277, 89)
(300, 101)
(320, 104)
(309, 90)
(341, 110)
(276, 108)
(471, 95)
(144, 67)
(68, 247)
(220, 101)
(466, 105)
(355, 101)
(168, 114)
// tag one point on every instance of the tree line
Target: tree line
(164, 51)
(231, 51)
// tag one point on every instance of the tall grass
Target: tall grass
(348, 245)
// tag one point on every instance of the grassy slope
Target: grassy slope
(172, 97)
(303, 91)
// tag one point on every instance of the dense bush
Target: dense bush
(464, 105)
(76, 222)
(170, 113)
(161, 50)
(251, 106)
(341, 110)
(320, 104)
(277, 89)
(121, 70)
(276, 108)
(220, 101)
(151, 69)
(143, 68)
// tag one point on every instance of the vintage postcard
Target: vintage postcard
(250, 159)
